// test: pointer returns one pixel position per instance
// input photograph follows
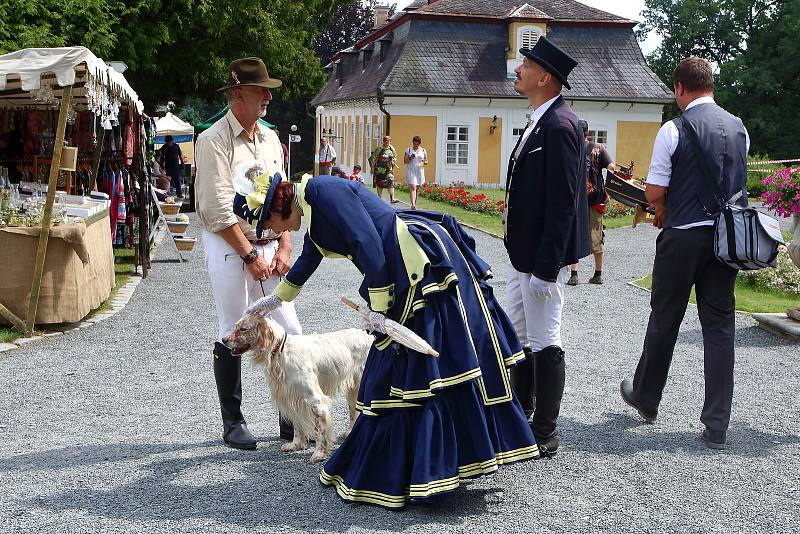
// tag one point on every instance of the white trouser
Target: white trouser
(537, 322)
(234, 288)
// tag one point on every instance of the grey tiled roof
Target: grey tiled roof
(557, 9)
(432, 57)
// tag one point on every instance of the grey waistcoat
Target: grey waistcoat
(723, 141)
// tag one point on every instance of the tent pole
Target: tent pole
(41, 250)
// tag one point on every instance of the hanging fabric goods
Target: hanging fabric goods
(398, 332)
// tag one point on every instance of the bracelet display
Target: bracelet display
(250, 257)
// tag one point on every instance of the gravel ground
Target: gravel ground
(115, 428)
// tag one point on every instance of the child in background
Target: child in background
(356, 176)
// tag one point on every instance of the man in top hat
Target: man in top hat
(545, 231)
(243, 265)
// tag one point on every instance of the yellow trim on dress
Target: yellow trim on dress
(287, 291)
(429, 488)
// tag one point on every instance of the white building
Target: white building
(444, 71)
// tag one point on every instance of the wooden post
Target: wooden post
(18, 323)
(41, 250)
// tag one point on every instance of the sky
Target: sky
(629, 9)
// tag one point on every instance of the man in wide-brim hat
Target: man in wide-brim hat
(243, 263)
(545, 228)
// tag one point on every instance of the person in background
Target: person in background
(356, 174)
(597, 159)
(415, 158)
(327, 156)
(382, 163)
(338, 172)
(170, 159)
(685, 250)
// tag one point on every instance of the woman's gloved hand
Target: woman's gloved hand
(265, 305)
(374, 322)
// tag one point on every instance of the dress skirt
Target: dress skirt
(427, 423)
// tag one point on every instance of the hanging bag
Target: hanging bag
(744, 238)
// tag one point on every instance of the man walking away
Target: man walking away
(685, 249)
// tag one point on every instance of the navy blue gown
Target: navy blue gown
(425, 423)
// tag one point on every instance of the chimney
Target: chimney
(381, 14)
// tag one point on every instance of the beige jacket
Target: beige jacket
(219, 150)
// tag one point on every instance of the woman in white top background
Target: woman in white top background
(415, 159)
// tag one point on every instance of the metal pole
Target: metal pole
(289, 163)
(41, 250)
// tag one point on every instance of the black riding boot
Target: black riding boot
(550, 376)
(228, 376)
(523, 382)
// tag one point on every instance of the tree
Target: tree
(351, 22)
(753, 47)
(178, 48)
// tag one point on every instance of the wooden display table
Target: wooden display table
(78, 271)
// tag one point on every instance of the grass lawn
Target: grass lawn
(748, 298)
(485, 221)
(123, 269)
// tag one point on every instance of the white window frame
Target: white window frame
(598, 136)
(529, 34)
(458, 144)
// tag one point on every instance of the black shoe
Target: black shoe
(714, 439)
(548, 447)
(596, 280)
(286, 428)
(626, 390)
(573, 280)
(238, 436)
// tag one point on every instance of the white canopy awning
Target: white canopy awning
(24, 71)
(169, 124)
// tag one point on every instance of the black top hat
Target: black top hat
(552, 58)
(250, 71)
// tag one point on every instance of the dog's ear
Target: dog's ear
(266, 336)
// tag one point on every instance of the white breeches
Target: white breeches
(234, 288)
(537, 322)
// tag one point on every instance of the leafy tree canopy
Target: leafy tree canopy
(754, 48)
(351, 22)
(177, 48)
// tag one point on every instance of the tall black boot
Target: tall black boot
(286, 428)
(550, 376)
(523, 382)
(228, 376)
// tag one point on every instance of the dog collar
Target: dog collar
(279, 348)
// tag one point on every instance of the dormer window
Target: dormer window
(527, 36)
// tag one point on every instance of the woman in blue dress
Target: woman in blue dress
(425, 423)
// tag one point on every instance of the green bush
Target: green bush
(755, 175)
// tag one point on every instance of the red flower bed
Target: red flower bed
(456, 195)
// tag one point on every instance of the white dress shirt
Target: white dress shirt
(327, 154)
(666, 143)
(535, 116)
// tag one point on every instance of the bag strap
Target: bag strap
(710, 182)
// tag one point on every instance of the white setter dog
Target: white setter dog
(303, 373)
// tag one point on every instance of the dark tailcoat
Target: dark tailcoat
(547, 226)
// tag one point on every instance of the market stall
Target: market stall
(181, 131)
(69, 122)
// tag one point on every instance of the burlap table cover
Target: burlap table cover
(70, 288)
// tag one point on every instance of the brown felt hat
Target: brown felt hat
(250, 71)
